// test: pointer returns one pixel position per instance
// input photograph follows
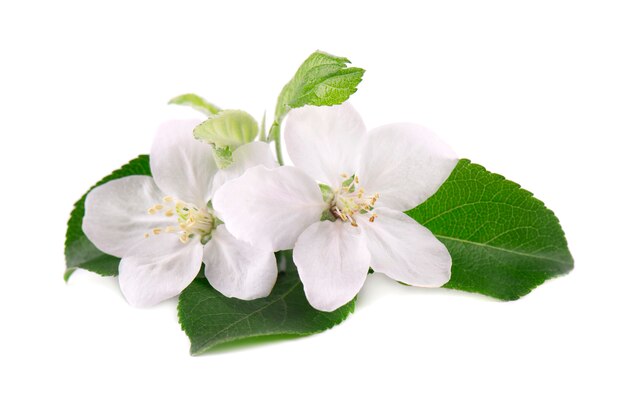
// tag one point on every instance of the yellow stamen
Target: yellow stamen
(350, 200)
(190, 221)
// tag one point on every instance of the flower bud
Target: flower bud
(228, 128)
(225, 132)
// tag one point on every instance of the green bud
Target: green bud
(227, 129)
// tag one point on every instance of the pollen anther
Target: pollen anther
(350, 200)
(191, 221)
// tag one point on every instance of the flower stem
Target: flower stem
(275, 135)
(262, 135)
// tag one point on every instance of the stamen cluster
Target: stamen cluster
(351, 199)
(192, 220)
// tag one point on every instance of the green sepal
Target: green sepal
(223, 156)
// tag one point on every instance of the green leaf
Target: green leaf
(211, 319)
(228, 128)
(196, 102)
(503, 241)
(79, 251)
(322, 80)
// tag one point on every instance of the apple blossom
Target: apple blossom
(163, 227)
(356, 220)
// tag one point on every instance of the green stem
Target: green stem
(262, 135)
(275, 135)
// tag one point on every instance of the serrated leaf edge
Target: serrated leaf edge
(527, 195)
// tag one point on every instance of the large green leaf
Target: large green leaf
(79, 251)
(210, 319)
(503, 241)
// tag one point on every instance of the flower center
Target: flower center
(350, 199)
(191, 221)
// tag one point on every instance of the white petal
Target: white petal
(182, 166)
(325, 141)
(405, 164)
(162, 268)
(247, 156)
(116, 214)
(269, 208)
(332, 260)
(405, 250)
(238, 269)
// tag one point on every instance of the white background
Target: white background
(534, 90)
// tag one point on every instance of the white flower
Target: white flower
(163, 229)
(373, 178)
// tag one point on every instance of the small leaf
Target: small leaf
(79, 251)
(503, 241)
(228, 128)
(210, 319)
(196, 102)
(322, 80)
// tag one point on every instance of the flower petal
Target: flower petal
(332, 260)
(116, 214)
(405, 164)
(247, 156)
(405, 250)
(182, 166)
(325, 141)
(269, 208)
(238, 269)
(162, 268)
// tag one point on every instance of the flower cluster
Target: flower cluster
(230, 206)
